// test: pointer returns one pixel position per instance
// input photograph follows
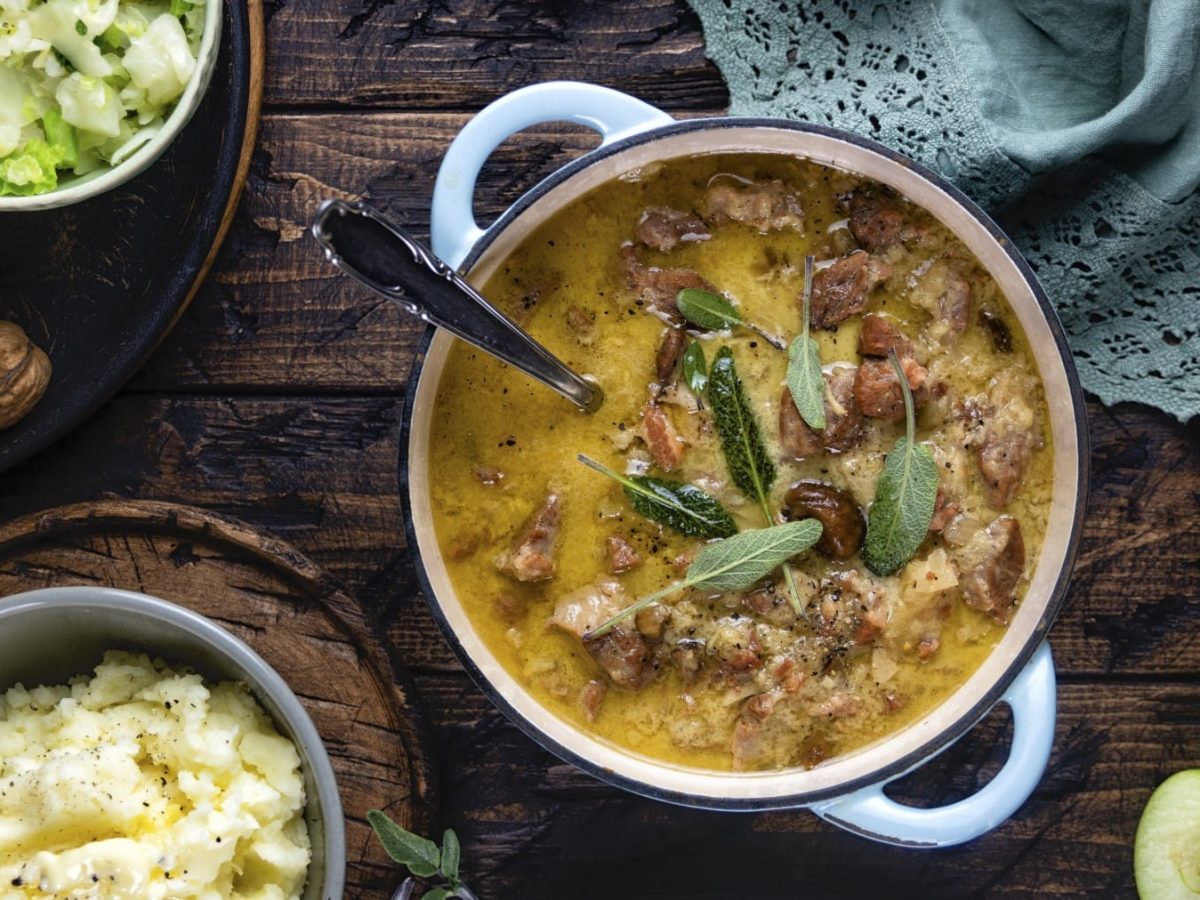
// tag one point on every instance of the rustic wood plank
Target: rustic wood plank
(463, 53)
(274, 314)
(321, 473)
(533, 827)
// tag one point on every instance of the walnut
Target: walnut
(24, 374)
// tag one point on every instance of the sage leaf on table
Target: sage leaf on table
(684, 507)
(804, 379)
(905, 494)
(712, 312)
(419, 855)
(750, 465)
(695, 368)
(733, 564)
(422, 857)
(451, 857)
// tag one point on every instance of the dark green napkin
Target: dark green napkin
(1075, 122)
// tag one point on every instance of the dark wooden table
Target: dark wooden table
(278, 398)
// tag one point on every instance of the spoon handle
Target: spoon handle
(362, 243)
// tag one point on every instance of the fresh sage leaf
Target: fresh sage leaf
(804, 379)
(905, 494)
(750, 465)
(712, 312)
(707, 310)
(419, 855)
(684, 507)
(733, 564)
(737, 562)
(695, 368)
(451, 855)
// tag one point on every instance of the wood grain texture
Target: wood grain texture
(462, 54)
(287, 609)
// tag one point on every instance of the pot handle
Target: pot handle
(872, 814)
(453, 230)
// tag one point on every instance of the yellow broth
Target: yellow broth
(491, 418)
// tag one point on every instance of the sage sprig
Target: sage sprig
(905, 494)
(732, 564)
(745, 451)
(746, 454)
(683, 507)
(712, 312)
(422, 857)
(804, 379)
(695, 369)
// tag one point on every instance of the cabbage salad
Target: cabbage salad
(85, 83)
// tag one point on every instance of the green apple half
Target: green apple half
(1166, 851)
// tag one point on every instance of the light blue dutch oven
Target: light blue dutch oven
(847, 791)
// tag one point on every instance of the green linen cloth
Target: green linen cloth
(1076, 123)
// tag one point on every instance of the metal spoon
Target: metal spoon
(362, 243)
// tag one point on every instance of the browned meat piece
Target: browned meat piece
(1011, 435)
(621, 555)
(658, 287)
(877, 390)
(591, 695)
(582, 324)
(997, 330)
(531, 556)
(853, 608)
(1003, 459)
(661, 437)
(928, 646)
(944, 509)
(841, 290)
(842, 525)
(944, 292)
(737, 649)
(769, 606)
(668, 355)
(651, 622)
(767, 206)
(879, 335)
(843, 419)
(837, 706)
(748, 744)
(877, 220)
(990, 567)
(954, 304)
(624, 655)
(662, 228)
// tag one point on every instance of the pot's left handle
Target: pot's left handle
(872, 814)
(614, 115)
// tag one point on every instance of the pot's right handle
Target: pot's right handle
(453, 229)
(871, 813)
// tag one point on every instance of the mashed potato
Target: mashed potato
(143, 782)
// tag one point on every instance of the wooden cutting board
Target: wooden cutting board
(285, 607)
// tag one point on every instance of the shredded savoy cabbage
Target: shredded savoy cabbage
(85, 83)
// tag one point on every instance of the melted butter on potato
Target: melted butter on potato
(145, 782)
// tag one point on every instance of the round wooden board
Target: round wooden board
(286, 608)
(98, 284)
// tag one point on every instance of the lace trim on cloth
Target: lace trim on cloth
(1121, 266)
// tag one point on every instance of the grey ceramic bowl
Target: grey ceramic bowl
(48, 636)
